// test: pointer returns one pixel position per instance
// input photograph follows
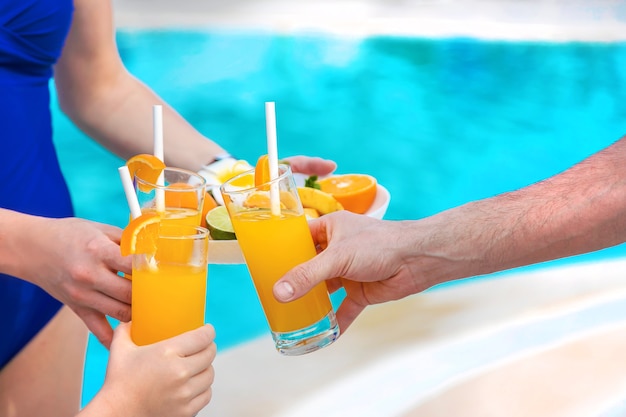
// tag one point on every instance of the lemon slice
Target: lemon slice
(221, 171)
(219, 224)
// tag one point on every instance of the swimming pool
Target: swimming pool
(439, 122)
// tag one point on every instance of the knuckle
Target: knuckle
(93, 246)
(301, 278)
(185, 394)
(81, 273)
(169, 353)
(123, 314)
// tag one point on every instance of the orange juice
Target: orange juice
(181, 195)
(169, 286)
(167, 301)
(177, 215)
(272, 245)
(178, 218)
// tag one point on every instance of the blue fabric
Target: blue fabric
(32, 33)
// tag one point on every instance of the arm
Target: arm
(74, 260)
(109, 104)
(580, 210)
(171, 378)
(114, 108)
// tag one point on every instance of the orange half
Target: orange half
(181, 195)
(141, 234)
(208, 204)
(355, 192)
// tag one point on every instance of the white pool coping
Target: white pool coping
(397, 355)
(507, 20)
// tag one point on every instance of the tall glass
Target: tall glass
(169, 284)
(272, 243)
(181, 195)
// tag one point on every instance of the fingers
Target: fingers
(302, 278)
(104, 299)
(193, 341)
(199, 386)
(98, 325)
(110, 256)
(333, 285)
(347, 312)
(311, 165)
(198, 363)
(200, 401)
(200, 381)
(112, 232)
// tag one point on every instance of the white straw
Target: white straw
(272, 155)
(157, 121)
(129, 190)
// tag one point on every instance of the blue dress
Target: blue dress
(32, 34)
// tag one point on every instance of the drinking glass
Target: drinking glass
(181, 193)
(274, 240)
(169, 284)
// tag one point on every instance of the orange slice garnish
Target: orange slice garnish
(140, 235)
(258, 200)
(262, 171)
(261, 199)
(145, 166)
(355, 192)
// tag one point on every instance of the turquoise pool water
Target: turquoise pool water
(439, 122)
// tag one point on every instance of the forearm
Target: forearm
(580, 210)
(119, 116)
(96, 91)
(15, 229)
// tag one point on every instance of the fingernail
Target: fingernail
(284, 291)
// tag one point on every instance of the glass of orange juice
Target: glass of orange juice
(181, 195)
(273, 240)
(169, 284)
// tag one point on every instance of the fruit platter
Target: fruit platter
(358, 193)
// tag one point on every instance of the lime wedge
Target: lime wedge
(219, 224)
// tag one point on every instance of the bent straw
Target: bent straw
(129, 190)
(157, 124)
(272, 155)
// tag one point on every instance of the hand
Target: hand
(170, 378)
(77, 262)
(366, 253)
(311, 165)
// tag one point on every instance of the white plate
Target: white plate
(229, 252)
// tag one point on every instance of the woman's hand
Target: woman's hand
(77, 262)
(309, 165)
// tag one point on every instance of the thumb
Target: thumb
(302, 278)
(121, 336)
